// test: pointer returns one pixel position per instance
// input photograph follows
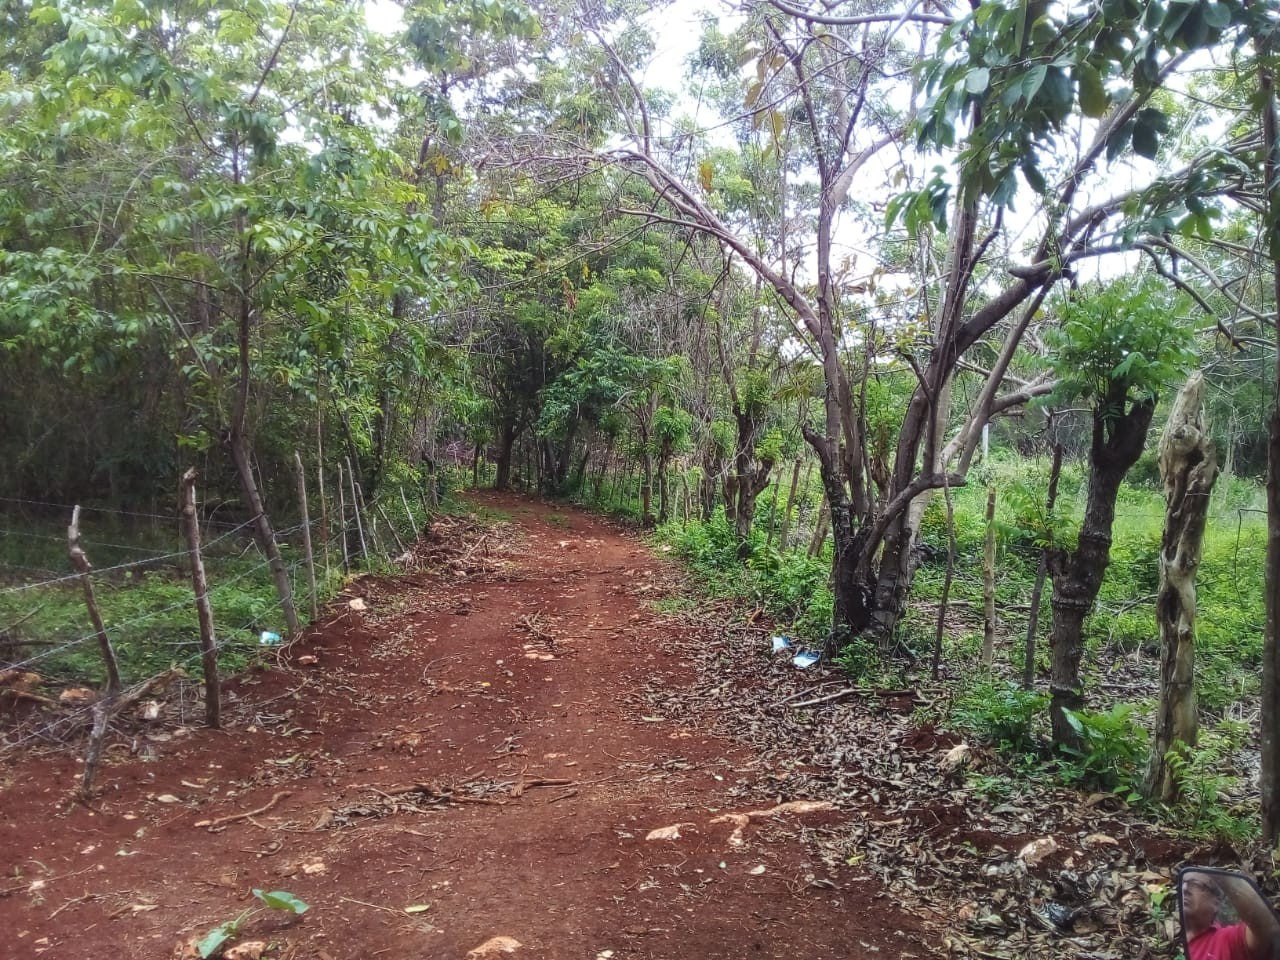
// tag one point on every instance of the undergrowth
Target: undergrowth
(148, 608)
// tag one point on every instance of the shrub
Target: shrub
(1112, 751)
(1000, 712)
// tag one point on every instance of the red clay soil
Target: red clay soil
(433, 684)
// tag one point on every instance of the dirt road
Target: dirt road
(468, 757)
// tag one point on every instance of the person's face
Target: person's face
(1199, 900)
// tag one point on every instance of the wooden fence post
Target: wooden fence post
(358, 496)
(409, 518)
(200, 585)
(989, 583)
(82, 565)
(342, 523)
(306, 534)
(355, 506)
(394, 533)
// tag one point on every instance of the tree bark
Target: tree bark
(506, 446)
(204, 613)
(646, 488)
(1077, 574)
(786, 512)
(1188, 467)
(1037, 591)
(81, 562)
(988, 581)
(240, 444)
(1269, 781)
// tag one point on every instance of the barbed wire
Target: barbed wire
(98, 571)
(339, 528)
(176, 516)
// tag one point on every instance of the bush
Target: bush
(1000, 712)
(1112, 751)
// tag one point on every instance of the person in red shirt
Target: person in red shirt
(1255, 937)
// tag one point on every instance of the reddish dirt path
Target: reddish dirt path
(432, 685)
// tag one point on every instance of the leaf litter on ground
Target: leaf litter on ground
(914, 819)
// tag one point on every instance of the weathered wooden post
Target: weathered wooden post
(200, 586)
(81, 562)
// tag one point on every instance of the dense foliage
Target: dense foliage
(798, 307)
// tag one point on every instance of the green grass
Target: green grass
(148, 609)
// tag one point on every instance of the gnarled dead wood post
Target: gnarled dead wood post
(204, 613)
(1188, 467)
(81, 562)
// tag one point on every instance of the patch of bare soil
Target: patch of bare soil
(501, 753)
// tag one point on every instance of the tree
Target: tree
(1116, 348)
(246, 226)
(1188, 468)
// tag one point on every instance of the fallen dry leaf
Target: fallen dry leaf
(739, 821)
(667, 833)
(956, 757)
(358, 605)
(1100, 840)
(494, 945)
(1037, 850)
(249, 950)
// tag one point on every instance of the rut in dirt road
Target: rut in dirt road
(469, 757)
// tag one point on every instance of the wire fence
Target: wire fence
(145, 595)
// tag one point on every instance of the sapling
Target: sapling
(274, 900)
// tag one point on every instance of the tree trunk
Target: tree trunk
(1269, 782)
(1037, 591)
(1188, 467)
(773, 516)
(240, 446)
(646, 489)
(786, 512)
(506, 447)
(707, 491)
(262, 529)
(989, 582)
(664, 499)
(1077, 574)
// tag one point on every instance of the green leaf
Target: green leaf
(1093, 96)
(1146, 142)
(282, 900)
(977, 80)
(1032, 80)
(1148, 125)
(1119, 140)
(208, 944)
(706, 171)
(1217, 15)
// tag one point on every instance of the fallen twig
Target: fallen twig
(519, 789)
(222, 821)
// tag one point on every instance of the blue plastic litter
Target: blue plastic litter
(806, 658)
(269, 639)
(781, 643)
